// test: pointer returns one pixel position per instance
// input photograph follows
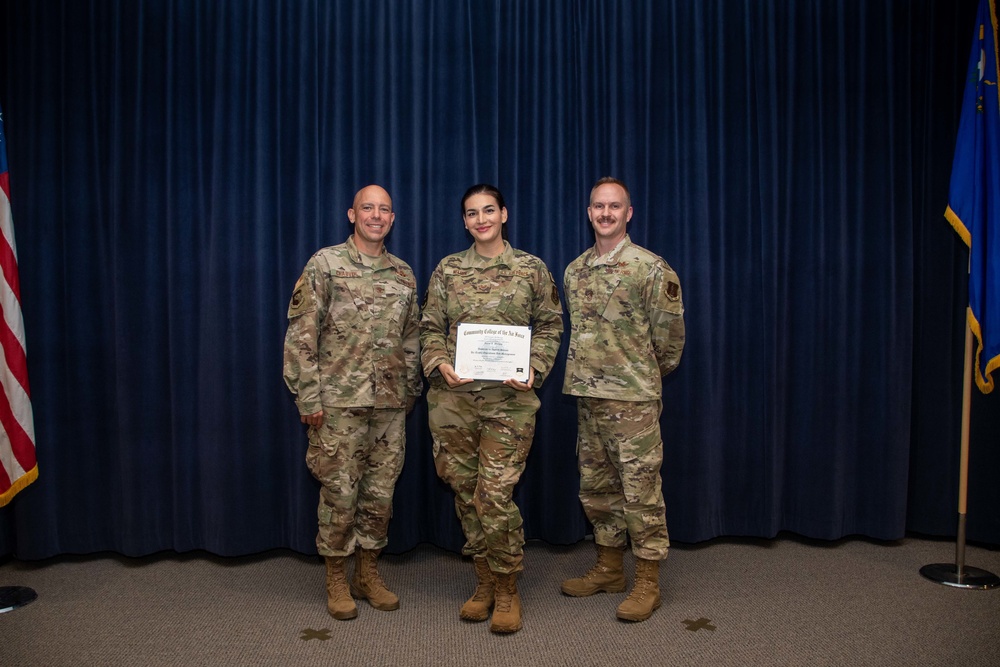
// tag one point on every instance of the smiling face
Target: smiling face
(485, 218)
(372, 218)
(609, 213)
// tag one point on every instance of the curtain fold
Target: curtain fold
(174, 164)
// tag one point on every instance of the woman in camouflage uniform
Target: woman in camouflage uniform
(483, 429)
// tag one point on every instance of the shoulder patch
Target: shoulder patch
(673, 291)
(303, 301)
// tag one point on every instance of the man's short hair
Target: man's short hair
(605, 180)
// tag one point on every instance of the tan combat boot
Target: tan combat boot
(368, 584)
(645, 596)
(507, 605)
(606, 576)
(477, 608)
(338, 597)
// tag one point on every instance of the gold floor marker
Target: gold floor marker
(700, 624)
(309, 633)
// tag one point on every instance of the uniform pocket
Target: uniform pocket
(620, 305)
(395, 298)
(321, 442)
(640, 444)
(348, 305)
(517, 295)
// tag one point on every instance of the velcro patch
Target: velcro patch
(344, 273)
(404, 279)
(303, 300)
(673, 291)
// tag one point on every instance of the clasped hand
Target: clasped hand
(447, 371)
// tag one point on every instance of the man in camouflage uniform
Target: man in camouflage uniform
(352, 361)
(483, 429)
(626, 332)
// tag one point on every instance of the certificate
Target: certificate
(492, 352)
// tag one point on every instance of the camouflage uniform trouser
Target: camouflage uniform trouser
(357, 455)
(481, 441)
(620, 454)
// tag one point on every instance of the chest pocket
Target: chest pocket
(517, 289)
(357, 302)
(624, 304)
(482, 293)
(617, 302)
(595, 295)
(350, 300)
(609, 295)
(392, 300)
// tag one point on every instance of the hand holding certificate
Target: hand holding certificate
(493, 352)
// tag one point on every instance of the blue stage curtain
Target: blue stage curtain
(174, 164)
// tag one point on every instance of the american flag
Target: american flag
(18, 467)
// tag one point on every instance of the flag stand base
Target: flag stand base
(971, 577)
(12, 597)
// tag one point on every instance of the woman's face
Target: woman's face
(484, 218)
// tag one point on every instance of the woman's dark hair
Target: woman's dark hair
(486, 189)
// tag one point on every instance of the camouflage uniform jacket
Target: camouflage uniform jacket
(353, 335)
(513, 288)
(626, 323)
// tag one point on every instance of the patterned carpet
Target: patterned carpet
(788, 601)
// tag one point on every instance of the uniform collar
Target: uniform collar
(612, 257)
(358, 257)
(472, 259)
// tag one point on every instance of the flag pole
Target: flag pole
(958, 575)
(18, 463)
